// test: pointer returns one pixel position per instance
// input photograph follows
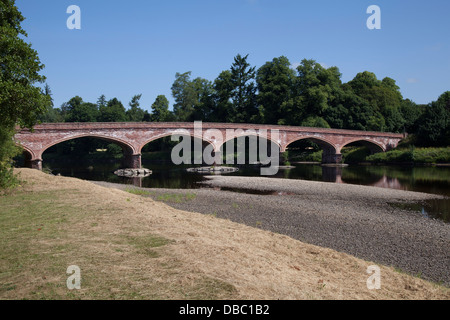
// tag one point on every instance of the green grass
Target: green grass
(176, 198)
(139, 192)
(25, 220)
(165, 197)
(44, 232)
(413, 155)
(400, 155)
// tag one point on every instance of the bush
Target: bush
(8, 179)
(308, 157)
(355, 155)
(413, 155)
(284, 157)
(8, 150)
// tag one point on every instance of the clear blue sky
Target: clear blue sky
(131, 47)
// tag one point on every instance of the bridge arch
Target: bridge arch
(223, 148)
(331, 153)
(130, 158)
(151, 145)
(169, 134)
(247, 133)
(125, 145)
(27, 158)
(29, 154)
(373, 146)
(322, 142)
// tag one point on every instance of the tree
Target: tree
(444, 101)
(433, 125)
(383, 96)
(393, 117)
(363, 81)
(193, 98)
(113, 111)
(319, 90)
(77, 110)
(52, 115)
(101, 101)
(337, 116)
(135, 114)
(48, 93)
(243, 91)
(21, 100)
(222, 103)
(275, 82)
(160, 110)
(411, 113)
(204, 104)
(435, 122)
(184, 96)
(359, 114)
(315, 122)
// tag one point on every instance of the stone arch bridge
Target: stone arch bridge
(132, 137)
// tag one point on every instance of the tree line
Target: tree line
(277, 93)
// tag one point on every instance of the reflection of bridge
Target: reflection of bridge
(334, 174)
(389, 183)
(132, 137)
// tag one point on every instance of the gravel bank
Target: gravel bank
(352, 219)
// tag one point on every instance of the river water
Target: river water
(434, 180)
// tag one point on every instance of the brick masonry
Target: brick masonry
(132, 137)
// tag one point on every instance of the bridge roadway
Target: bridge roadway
(132, 137)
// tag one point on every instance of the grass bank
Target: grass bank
(131, 247)
(410, 155)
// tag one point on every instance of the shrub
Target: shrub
(414, 155)
(8, 150)
(355, 155)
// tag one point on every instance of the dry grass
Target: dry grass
(131, 247)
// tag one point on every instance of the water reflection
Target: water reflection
(435, 180)
(434, 208)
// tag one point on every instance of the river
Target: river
(427, 179)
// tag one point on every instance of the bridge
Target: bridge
(133, 137)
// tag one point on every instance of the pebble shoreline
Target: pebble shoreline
(354, 219)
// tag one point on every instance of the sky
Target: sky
(134, 47)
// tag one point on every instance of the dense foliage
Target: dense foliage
(21, 101)
(277, 93)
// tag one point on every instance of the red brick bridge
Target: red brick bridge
(132, 137)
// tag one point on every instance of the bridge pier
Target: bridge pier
(34, 164)
(217, 157)
(330, 156)
(132, 161)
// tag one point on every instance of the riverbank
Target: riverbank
(357, 220)
(132, 247)
(405, 155)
